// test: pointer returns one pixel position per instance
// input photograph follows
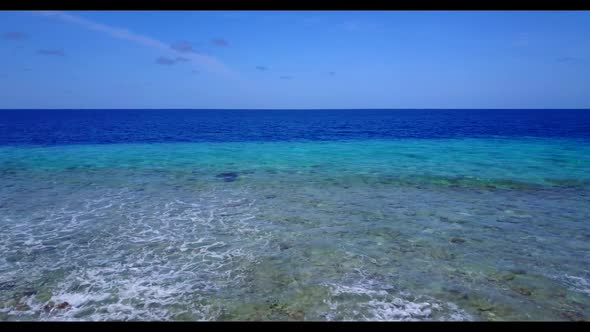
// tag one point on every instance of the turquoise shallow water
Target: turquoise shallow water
(408, 229)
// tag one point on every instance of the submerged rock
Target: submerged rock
(573, 316)
(29, 292)
(485, 307)
(524, 291)
(62, 305)
(43, 296)
(7, 285)
(184, 316)
(565, 182)
(507, 277)
(296, 314)
(508, 220)
(441, 253)
(48, 306)
(517, 271)
(456, 293)
(22, 307)
(481, 304)
(228, 176)
(500, 276)
(457, 240)
(284, 246)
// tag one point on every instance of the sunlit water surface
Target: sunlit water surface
(461, 228)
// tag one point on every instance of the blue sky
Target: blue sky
(295, 59)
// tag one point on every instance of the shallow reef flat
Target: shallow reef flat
(413, 229)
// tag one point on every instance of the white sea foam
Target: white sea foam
(579, 284)
(129, 259)
(360, 303)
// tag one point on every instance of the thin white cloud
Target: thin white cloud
(220, 42)
(165, 61)
(570, 60)
(14, 35)
(234, 15)
(313, 21)
(54, 52)
(204, 61)
(183, 47)
(358, 26)
(522, 40)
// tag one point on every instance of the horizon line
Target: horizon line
(291, 109)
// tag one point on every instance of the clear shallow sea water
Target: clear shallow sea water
(295, 215)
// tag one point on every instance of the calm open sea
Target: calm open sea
(295, 215)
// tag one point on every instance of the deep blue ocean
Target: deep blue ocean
(295, 215)
(52, 127)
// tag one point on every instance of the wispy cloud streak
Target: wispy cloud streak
(570, 59)
(169, 61)
(55, 52)
(206, 62)
(183, 47)
(220, 42)
(14, 35)
(165, 61)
